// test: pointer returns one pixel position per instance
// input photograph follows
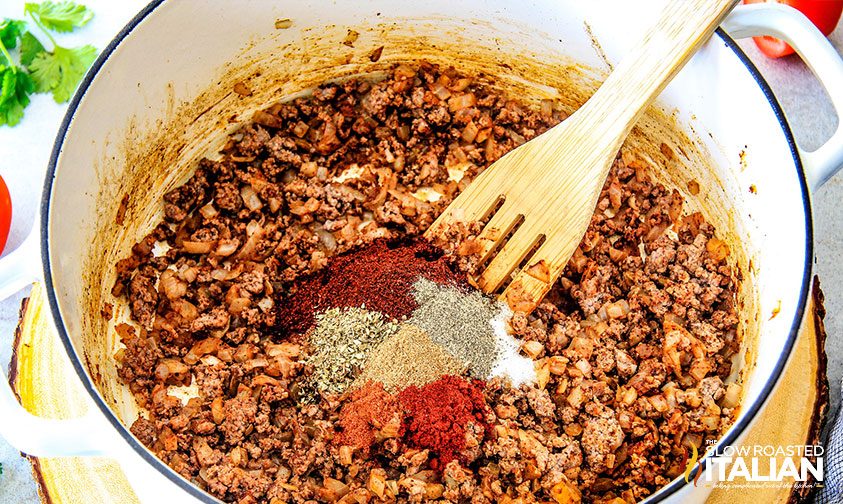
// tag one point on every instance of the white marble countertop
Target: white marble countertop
(25, 149)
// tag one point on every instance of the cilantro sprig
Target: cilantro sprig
(38, 70)
(62, 17)
(10, 30)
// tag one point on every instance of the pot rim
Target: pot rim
(660, 495)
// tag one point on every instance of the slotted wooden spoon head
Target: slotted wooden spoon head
(543, 193)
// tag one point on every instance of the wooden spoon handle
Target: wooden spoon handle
(683, 26)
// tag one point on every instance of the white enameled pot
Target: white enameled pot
(159, 97)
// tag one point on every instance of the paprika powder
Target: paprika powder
(440, 415)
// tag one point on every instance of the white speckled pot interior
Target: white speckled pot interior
(161, 97)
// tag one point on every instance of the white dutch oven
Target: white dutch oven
(159, 97)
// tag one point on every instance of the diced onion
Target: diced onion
(189, 274)
(617, 255)
(345, 453)
(326, 238)
(210, 360)
(308, 169)
(426, 194)
(255, 236)
(209, 211)
(618, 309)
(583, 346)
(629, 395)
(290, 350)
(222, 274)
(615, 195)
(557, 364)
(170, 367)
(262, 379)
(659, 403)
(238, 305)
(575, 397)
(462, 101)
(227, 247)
(200, 349)
(584, 367)
(440, 91)
(274, 204)
(711, 423)
(457, 172)
(532, 348)
(732, 396)
(173, 287)
(300, 129)
(692, 439)
(461, 84)
(353, 172)
(259, 362)
(469, 133)
(250, 198)
(197, 247)
(265, 304)
(186, 309)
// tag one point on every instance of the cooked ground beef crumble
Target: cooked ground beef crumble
(633, 344)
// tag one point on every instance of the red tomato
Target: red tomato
(823, 13)
(5, 213)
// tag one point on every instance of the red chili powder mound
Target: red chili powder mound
(369, 408)
(436, 416)
(379, 276)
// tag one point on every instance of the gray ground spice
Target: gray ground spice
(409, 357)
(460, 322)
(342, 340)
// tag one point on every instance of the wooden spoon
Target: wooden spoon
(544, 192)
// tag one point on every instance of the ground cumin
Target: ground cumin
(409, 357)
(379, 277)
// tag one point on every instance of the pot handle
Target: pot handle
(784, 22)
(33, 435)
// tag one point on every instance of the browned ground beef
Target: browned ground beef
(635, 339)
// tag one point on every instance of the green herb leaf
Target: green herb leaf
(10, 31)
(15, 88)
(30, 47)
(62, 16)
(61, 71)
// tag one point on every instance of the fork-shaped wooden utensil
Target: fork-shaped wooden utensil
(545, 191)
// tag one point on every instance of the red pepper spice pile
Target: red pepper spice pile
(370, 408)
(379, 276)
(437, 416)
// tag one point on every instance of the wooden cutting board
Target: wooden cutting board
(44, 380)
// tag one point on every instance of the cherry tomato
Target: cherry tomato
(823, 13)
(5, 213)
